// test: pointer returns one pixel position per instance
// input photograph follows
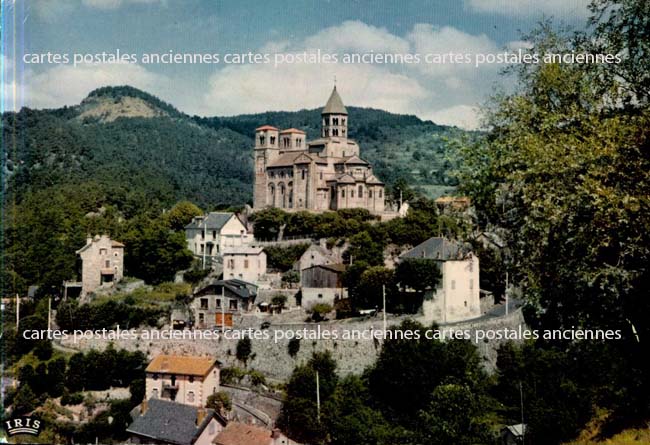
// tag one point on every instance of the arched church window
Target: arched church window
(360, 191)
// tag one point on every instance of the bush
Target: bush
(319, 310)
(232, 375)
(74, 398)
(220, 402)
(279, 300)
(293, 347)
(244, 349)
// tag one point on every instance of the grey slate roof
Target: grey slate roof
(240, 288)
(438, 248)
(334, 104)
(214, 221)
(168, 421)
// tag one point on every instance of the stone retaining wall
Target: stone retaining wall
(272, 358)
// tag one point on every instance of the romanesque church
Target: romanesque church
(324, 174)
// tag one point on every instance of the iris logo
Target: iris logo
(23, 425)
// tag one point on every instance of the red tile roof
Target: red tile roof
(292, 130)
(237, 433)
(178, 364)
(266, 127)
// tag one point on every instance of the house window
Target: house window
(202, 248)
(380, 193)
(342, 121)
(107, 263)
(218, 302)
(204, 303)
(360, 191)
(233, 304)
(190, 396)
(335, 132)
(272, 140)
(303, 174)
(154, 393)
(335, 121)
(320, 295)
(102, 251)
(453, 284)
(352, 193)
(245, 264)
(370, 193)
(214, 234)
(201, 317)
(191, 379)
(342, 193)
(261, 140)
(231, 263)
(321, 175)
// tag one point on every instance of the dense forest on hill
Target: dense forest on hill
(158, 149)
(116, 161)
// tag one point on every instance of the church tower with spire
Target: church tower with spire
(335, 117)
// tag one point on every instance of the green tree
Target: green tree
(244, 350)
(220, 402)
(418, 273)
(299, 417)
(154, 252)
(364, 248)
(181, 215)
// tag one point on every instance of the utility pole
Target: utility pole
(506, 292)
(523, 426)
(205, 245)
(49, 314)
(383, 291)
(317, 397)
(223, 308)
(17, 311)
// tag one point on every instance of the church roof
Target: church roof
(292, 130)
(353, 160)
(285, 160)
(345, 179)
(266, 127)
(372, 179)
(334, 104)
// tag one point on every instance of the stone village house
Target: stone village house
(102, 264)
(457, 296)
(182, 379)
(158, 421)
(218, 303)
(244, 263)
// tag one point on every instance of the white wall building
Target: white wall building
(208, 235)
(457, 296)
(244, 263)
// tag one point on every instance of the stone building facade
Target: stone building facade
(102, 263)
(182, 379)
(245, 263)
(457, 296)
(324, 174)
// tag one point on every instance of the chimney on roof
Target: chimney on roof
(200, 416)
(144, 406)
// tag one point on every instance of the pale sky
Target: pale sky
(447, 94)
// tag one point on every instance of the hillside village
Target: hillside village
(271, 269)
